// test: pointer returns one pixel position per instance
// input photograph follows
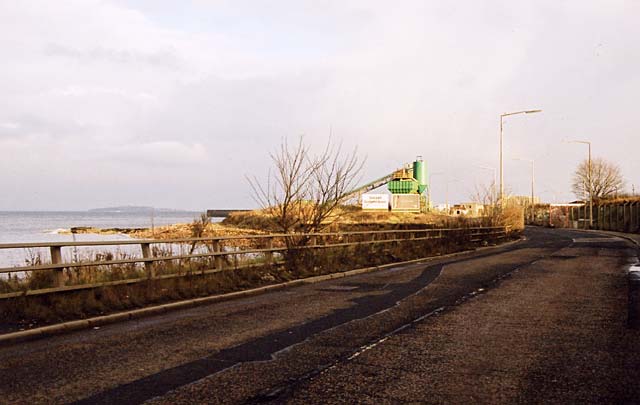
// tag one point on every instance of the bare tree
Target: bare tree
(606, 179)
(485, 194)
(303, 192)
(198, 228)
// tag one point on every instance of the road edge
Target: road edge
(627, 236)
(71, 326)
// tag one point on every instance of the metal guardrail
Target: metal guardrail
(220, 249)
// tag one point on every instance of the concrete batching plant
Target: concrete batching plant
(407, 186)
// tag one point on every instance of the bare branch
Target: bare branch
(304, 190)
(606, 179)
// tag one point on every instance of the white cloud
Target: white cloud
(162, 153)
(9, 125)
(113, 86)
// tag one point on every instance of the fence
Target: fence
(615, 216)
(216, 254)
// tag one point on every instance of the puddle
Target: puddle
(634, 273)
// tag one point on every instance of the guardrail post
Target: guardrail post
(217, 248)
(56, 258)
(146, 254)
(268, 256)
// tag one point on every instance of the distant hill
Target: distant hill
(136, 209)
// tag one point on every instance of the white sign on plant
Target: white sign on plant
(375, 202)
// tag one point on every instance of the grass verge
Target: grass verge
(31, 311)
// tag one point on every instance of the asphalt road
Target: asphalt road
(544, 320)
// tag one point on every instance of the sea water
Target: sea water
(42, 226)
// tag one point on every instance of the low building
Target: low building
(470, 209)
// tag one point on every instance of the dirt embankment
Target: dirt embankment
(259, 222)
(175, 231)
(354, 219)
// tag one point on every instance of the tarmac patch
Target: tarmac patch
(596, 240)
(340, 288)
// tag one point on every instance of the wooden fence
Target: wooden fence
(615, 216)
(218, 254)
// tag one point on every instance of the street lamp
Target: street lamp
(429, 189)
(501, 166)
(533, 181)
(590, 183)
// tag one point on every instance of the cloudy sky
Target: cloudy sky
(171, 104)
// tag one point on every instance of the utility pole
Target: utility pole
(501, 149)
(533, 182)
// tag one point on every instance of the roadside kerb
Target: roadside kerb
(61, 328)
(631, 237)
(633, 281)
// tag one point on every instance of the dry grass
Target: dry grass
(616, 200)
(179, 231)
(513, 217)
(348, 218)
(32, 310)
(192, 282)
(345, 218)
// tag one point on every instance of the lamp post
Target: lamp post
(555, 200)
(533, 181)
(501, 165)
(429, 189)
(590, 183)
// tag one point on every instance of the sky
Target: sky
(172, 104)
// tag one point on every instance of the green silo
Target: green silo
(420, 174)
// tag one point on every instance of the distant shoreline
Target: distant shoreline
(100, 211)
(138, 210)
